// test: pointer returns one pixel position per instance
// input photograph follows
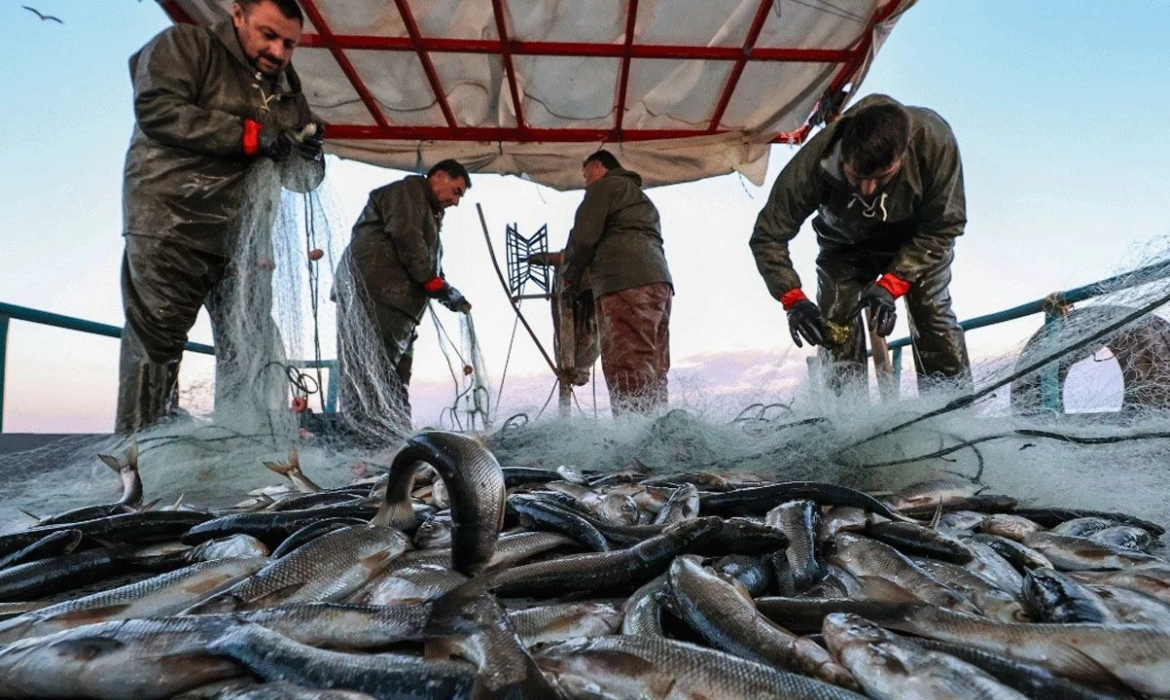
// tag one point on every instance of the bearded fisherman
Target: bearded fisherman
(209, 104)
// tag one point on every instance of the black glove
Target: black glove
(312, 145)
(277, 145)
(881, 301)
(453, 299)
(804, 319)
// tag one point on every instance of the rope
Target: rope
(507, 361)
(314, 284)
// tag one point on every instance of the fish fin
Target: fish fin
(35, 518)
(294, 459)
(111, 462)
(149, 505)
(132, 456)
(934, 519)
(282, 468)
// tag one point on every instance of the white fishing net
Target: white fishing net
(1075, 416)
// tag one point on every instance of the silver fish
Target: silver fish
(890, 668)
(328, 568)
(655, 668)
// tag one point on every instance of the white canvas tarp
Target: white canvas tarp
(698, 88)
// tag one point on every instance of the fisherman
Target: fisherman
(390, 270)
(887, 184)
(209, 103)
(617, 239)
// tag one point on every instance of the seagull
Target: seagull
(37, 12)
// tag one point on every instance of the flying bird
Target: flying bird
(37, 12)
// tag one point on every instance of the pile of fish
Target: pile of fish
(451, 577)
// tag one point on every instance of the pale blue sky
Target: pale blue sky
(1060, 107)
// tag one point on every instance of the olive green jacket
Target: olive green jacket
(395, 247)
(912, 223)
(186, 167)
(616, 236)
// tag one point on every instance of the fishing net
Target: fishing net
(1074, 414)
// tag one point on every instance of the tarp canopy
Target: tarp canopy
(678, 89)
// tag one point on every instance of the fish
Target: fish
(1081, 554)
(727, 618)
(753, 573)
(53, 544)
(120, 660)
(412, 583)
(291, 470)
(1031, 680)
(912, 538)
(867, 558)
(130, 500)
(683, 504)
(1018, 554)
(536, 513)
(548, 624)
(1053, 517)
(473, 477)
(993, 601)
(890, 668)
(799, 521)
(600, 573)
(1013, 527)
(1124, 537)
(328, 568)
(758, 500)
(434, 532)
(1135, 655)
(1132, 607)
(655, 668)
(143, 527)
(642, 613)
(1054, 597)
(234, 547)
(271, 656)
(310, 532)
(167, 594)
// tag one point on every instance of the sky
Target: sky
(1059, 107)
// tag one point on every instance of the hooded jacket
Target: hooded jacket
(616, 236)
(395, 247)
(912, 222)
(185, 170)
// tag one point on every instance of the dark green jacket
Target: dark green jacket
(186, 166)
(912, 223)
(395, 247)
(616, 236)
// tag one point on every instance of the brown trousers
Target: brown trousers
(634, 325)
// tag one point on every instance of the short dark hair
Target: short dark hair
(453, 168)
(288, 8)
(604, 157)
(874, 137)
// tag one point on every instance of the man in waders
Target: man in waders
(886, 183)
(210, 103)
(387, 275)
(617, 238)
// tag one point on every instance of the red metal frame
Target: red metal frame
(851, 60)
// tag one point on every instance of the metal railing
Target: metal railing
(1050, 381)
(12, 312)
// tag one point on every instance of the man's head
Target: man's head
(873, 142)
(597, 165)
(449, 180)
(268, 31)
